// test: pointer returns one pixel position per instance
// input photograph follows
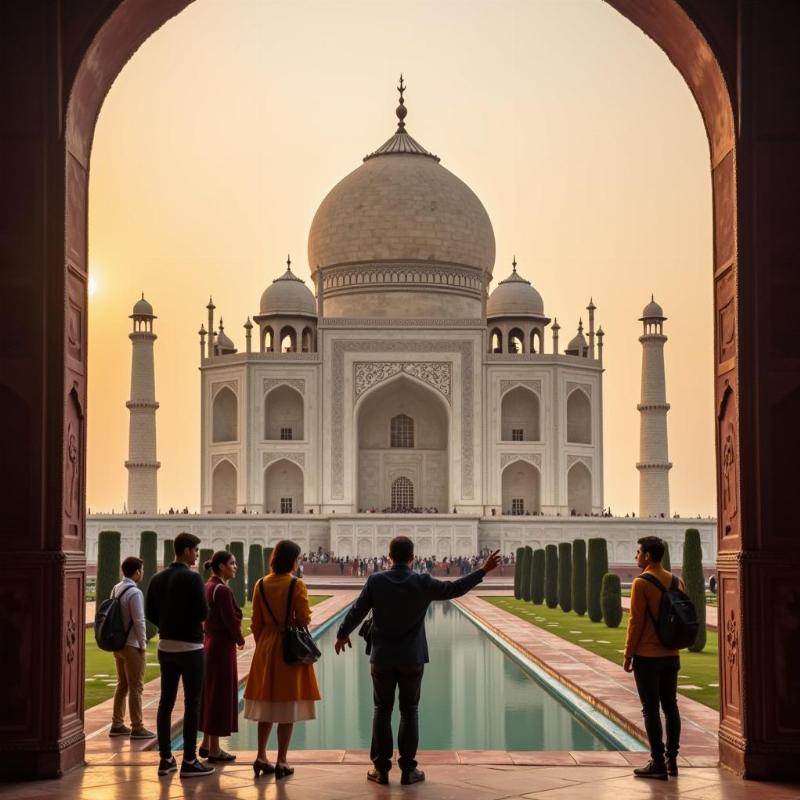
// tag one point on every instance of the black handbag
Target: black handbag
(298, 646)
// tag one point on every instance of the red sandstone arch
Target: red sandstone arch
(65, 58)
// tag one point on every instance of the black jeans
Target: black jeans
(657, 684)
(174, 667)
(385, 681)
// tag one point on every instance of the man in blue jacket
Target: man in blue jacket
(399, 599)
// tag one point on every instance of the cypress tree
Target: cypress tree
(665, 562)
(518, 574)
(611, 600)
(205, 555)
(537, 577)
(695, 583)
(565, 576)
(169, 552)
(596, 567)
(527, 559)
(255, 567)
(148, 552)
(579, 577)
(237, 584)
(551, 575)
(108, 564)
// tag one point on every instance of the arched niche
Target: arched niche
(495, 341)
(579, 417)
(288, 339)
(225, 416)
(516, 341)
(521, 488)
(579, 489)
(536, 341)
(268, 339)
(283, 488)
(426, 464)
(307, 340)
(284, 414)
(402, 494)
(520, 416)
(223, 488)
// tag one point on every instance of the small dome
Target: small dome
(289, 296)
(578, 343)
(652, 310)
(142, 308)
(223, 341)
(515, 297)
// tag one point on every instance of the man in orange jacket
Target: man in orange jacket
(654, 666)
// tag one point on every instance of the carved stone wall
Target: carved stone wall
(367, 374)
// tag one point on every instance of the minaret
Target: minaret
(654, 465)
(141, 464)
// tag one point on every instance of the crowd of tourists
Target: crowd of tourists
(200, 630)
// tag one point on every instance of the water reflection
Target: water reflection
(473, 698)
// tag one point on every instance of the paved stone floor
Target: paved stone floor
(445, 782)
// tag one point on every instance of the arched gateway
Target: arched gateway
(68, 57)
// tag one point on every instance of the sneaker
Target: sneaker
(119, 730)
(654, 769)
(672, 766)
(196, 769)
(167, 765)
(415, 776)
(142, 733)
(376, 776)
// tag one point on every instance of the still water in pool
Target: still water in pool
(474, 697)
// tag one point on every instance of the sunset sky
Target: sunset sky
(226, 130)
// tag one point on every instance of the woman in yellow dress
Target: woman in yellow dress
(278, 692)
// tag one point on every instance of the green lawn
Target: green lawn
(697, 669)
(100, 669)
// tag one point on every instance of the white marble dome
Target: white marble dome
(514, 297)
(142, 308)
(401, 204)
(653, 310)
(288, 295)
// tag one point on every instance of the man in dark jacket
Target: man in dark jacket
(176, 605)
(399, 599)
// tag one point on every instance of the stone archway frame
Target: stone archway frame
(113, 35)
(368, 374)
(362, 399)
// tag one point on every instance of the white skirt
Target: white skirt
(286, 711)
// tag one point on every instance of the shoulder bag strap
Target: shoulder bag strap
(119, 597)
(653, 581)
(289, 604)
(266, 603)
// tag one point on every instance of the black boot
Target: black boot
(672, 766)
(654, 769)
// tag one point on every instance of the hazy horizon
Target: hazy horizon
(229, 126)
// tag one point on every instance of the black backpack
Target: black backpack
(109, 630)
(677, 623)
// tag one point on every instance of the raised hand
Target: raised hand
(491, 562)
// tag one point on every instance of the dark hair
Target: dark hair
(184, 541)
(130, 565)
(283, 556)
(401, 550)
(219, 559)
(654, 546)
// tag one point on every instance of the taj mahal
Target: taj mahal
(401, 395)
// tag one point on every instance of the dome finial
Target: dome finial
(514, 263)
(289, 263)
(401, 110)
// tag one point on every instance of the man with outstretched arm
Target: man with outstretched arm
(399, 599)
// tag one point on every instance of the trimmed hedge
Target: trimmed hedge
(537, 577)
(695, 583)
(108, 564)
(255, 567)
(205, 554)
(169, 553)
(611, 600)
(267, 558)
(551, 575)
(579, 577)
(148, 552)
(527, 565)
(665, 562)
(596, 567)
(518, 574)
(237, 584)
(565, 576)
